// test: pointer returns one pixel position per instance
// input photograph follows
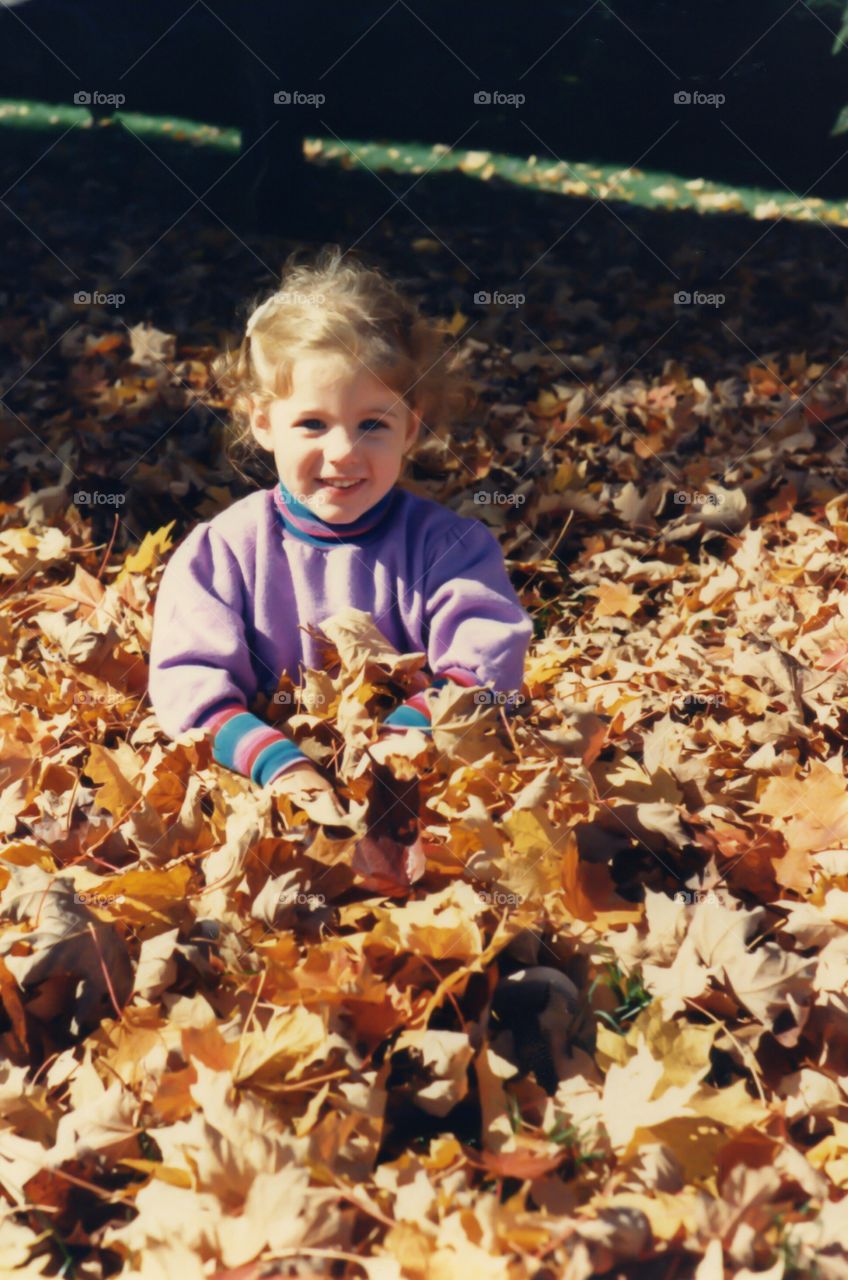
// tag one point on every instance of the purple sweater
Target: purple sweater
(239, 587)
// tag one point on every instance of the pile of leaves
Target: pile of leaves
(221, 1054)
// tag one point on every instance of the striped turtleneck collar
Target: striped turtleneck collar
(303, 523)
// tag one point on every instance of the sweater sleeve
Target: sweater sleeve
(201, 674)
(244, 743)
(414, 713)
(477, 631)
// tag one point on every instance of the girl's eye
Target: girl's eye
(314, 424)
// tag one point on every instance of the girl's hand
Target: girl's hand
(312, 793)
(297, 778)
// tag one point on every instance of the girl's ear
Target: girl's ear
(260, 425)
(413, 429)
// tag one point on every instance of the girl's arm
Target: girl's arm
(477, 631)
(201, 673)
(414, 713)
(244, 743)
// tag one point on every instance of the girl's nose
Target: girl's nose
(338, 446)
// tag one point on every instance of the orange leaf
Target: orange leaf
(589, 893)
(615, 598)
(523, 1163)
(13, 1006)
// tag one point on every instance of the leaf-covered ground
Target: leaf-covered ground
(222, 1055)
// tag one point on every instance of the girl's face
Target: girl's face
(339, 423)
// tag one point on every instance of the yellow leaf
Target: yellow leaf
(681, 1047)
(615, 598)
(149, 895)
(441, 926)
(732, 1106)
(629, 1102)
(565, 475)
(546, 406)
(811, 811)
(530, 833)
(114, 768)
(831, 1154)
(176, 1177)
(694, 1140)
(279, 1051)
(148, 554)
(456, 324)
(589, 893)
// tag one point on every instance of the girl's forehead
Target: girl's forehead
(335, 374)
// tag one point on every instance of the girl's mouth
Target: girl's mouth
(337, 490)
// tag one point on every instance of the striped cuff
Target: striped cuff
(414, 713)
(247, 745)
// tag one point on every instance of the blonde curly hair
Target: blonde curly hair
(337, 305)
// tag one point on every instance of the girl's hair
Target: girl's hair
(342, 307)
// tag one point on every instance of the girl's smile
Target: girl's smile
(338, 495)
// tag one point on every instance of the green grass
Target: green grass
(648, 188)
(629, 991)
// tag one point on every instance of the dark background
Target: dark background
(599, 78)
(190, 236)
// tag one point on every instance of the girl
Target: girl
(335, 377)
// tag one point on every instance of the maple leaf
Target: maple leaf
(65, 938)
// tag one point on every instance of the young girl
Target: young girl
(336, 375)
